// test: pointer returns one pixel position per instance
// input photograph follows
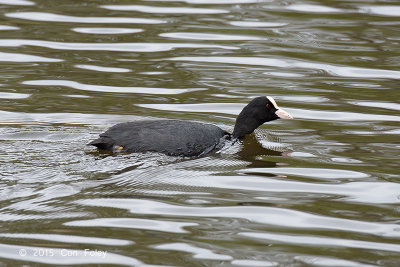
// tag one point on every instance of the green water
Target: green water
(320, 190)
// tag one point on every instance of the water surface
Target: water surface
(320, 190)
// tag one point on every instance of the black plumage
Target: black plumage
(171, 137)
(185, 138)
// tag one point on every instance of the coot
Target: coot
(185, 138)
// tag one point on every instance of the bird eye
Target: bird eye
(268, 106)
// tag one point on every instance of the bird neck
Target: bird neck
(245, 125)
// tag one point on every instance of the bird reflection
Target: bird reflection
(249, 150)
(252, 149)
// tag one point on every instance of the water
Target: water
(320, 190)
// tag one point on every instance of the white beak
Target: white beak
(283, 114)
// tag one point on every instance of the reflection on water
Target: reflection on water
(131, 47)
(109, 89)
(44, 16)
(320, 190)
(282, 63)
(17, 57)
(164, 10)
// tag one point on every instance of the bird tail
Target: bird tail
(103, 143)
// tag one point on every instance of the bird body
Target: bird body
(185, 138)
(174, 137)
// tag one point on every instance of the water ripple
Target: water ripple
(44, 16)
(254, 263)
(330, 262)
(64, 118)
(343, 71)
(111, 89)
(215, 2)
(339, 116)
(8, 28)
(377, 104)
(64, 256)
(313, 8)
(391, 11)
(132, 223)
(256, 24)
(235, 108)
(322, 241)
(5, 95)
(164, 10)
(71, 239)
(17, 57)
(198, 253)
(322, 173)
(101, 69)
(361, 192)
(227, 108)
(98, 30)
(209, 36)
(265, 215)
(319, 190)
(17, 2)
(128, 47)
